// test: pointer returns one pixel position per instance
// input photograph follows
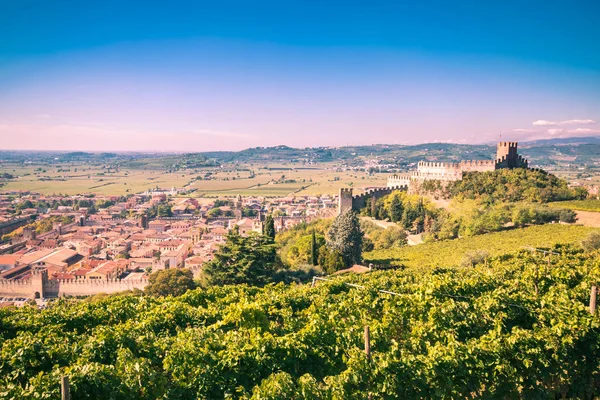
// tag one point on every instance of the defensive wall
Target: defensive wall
(38, 285)
(506, 157)
(347, 201)
(9, 226)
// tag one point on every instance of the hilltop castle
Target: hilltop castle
(506, 157)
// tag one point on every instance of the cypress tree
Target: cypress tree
(314, 257)
(269, 227)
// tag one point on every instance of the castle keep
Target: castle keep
(506, 157)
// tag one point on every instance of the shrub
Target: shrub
(592, 242)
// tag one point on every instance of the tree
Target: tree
(170, 282)
(345, 237)
(592, 242)
(252, 260)
(269, 227)
(396, 209)
(164, 211)
(314, 252)
(331, 260)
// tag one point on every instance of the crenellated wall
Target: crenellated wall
(88, 287)
(67, 287)
(347, 201)
(506, 157)
(18, 288)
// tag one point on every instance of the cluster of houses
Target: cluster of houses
(124, 240)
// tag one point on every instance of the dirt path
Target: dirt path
(380, 223)
(588, 218)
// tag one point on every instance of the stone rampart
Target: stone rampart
(68, 287)
(347, 201)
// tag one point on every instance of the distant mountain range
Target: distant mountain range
(547, 152)
(563, 141)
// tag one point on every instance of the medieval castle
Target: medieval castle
(506, 157)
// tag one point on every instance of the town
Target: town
(84, 245)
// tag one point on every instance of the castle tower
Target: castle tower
(507, 151)
(57, 226)
(345, 200)
(28, 233)
(39, 278)
(238, 207)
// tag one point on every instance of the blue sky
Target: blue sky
(195, 76)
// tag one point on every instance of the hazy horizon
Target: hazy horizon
(195, 77)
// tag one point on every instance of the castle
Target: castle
(506, 157)
(347, 201)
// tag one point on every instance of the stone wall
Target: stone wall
(19, 288)
(347, 201)
(88, 287)
(66, 287)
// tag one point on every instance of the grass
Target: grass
(578, 205)
(451, 252)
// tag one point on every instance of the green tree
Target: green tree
(314, 251)
(395, 208)
(252, 260)
(173, 282)
(345, 237)
(269, 227)
(164, 211)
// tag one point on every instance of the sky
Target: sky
(227, 75)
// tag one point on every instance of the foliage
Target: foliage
(410, 211)
(475, 217)
(269, 227)
(294, 255)
(451, 252)
(378, 238)
(170, 282)
(592, 242)
(299, 252)
(251, 260)
(518, 327)
(314, 249)
(475, 257)
(345, 237)
(519, 184)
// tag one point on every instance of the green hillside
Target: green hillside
(451, 252)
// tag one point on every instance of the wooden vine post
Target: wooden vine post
(368, 342)
(65, 392)
(593, 300)
(368, 349)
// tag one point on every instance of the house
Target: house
(8, 261)
(108, 270)
(158, 226)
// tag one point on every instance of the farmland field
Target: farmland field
(230, 180)
(451, 252)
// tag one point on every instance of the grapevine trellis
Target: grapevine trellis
(431, 333)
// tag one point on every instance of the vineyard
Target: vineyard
(517, 326)
(452, 252)
(579, 205)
